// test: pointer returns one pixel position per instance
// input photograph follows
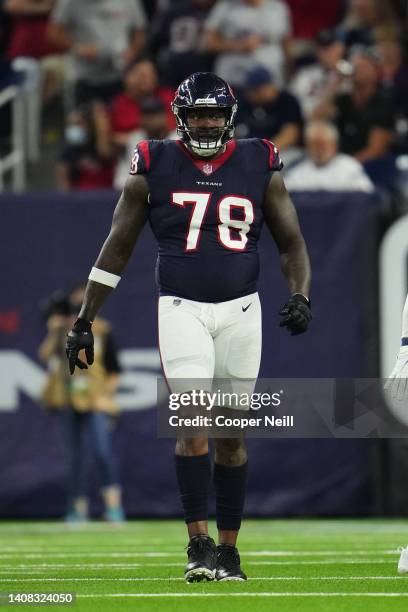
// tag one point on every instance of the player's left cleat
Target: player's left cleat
(201, 553)
(403, 561)
(228, 564)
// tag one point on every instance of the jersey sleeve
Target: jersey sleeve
(274, 159)
(140, 162)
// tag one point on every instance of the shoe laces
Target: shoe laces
(200, 545)
(228, 556)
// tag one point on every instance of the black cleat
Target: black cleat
(228, 563)
(202, 554)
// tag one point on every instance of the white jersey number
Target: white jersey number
(227, 224)
(200, 203)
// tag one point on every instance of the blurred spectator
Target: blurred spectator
(153, 125)
(268, 112)
(87, 159)
(36, 56)
(323, 168)
(5, 28)
(103, 37)
(86, 406)
(310, 17)
(400, 8)
(176, 37)
(367, 20)
(153, 7)
(29, 25)
(364, 116)
(150, 8)
(315, 81)
(244, 33)
(394, 71)
(141, 82)
(394, 78)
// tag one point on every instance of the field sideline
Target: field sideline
(329, 565)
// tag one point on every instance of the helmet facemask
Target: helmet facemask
(205, 141)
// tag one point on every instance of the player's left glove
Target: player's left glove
(397, 383)
(80, 337)
(296, 314)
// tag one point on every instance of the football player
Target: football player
(397, 387)
(396, 384)
(206, 197)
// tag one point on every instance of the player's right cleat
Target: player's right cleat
(202, 555)
(403, 561)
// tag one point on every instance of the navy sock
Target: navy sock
(193, 475)
(230, 486)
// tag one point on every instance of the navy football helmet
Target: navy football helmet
(204, 90)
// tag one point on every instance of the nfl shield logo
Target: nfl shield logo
(207, 169)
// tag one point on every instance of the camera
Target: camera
(57, 304)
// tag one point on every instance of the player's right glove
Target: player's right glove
(397, 383)
(296, 314)
(80, 337)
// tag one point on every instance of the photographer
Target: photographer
(85, 405)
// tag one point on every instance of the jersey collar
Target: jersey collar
(209, 166)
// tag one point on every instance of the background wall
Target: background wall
(50, 241)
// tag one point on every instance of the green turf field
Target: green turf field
(328, 565)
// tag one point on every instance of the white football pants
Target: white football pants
(200, 340)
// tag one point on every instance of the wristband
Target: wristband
(404, 341)
(82, 325)
(304, 298)
(103, 277)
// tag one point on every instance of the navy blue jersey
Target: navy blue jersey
(207, 215)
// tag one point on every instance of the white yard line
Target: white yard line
(241, 594)
(148, 554)
(171, 579)
(91, 566)
(306, 528)
(159, 552)
(325, 562)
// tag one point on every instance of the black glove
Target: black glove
(80, 337)
(296, 314)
